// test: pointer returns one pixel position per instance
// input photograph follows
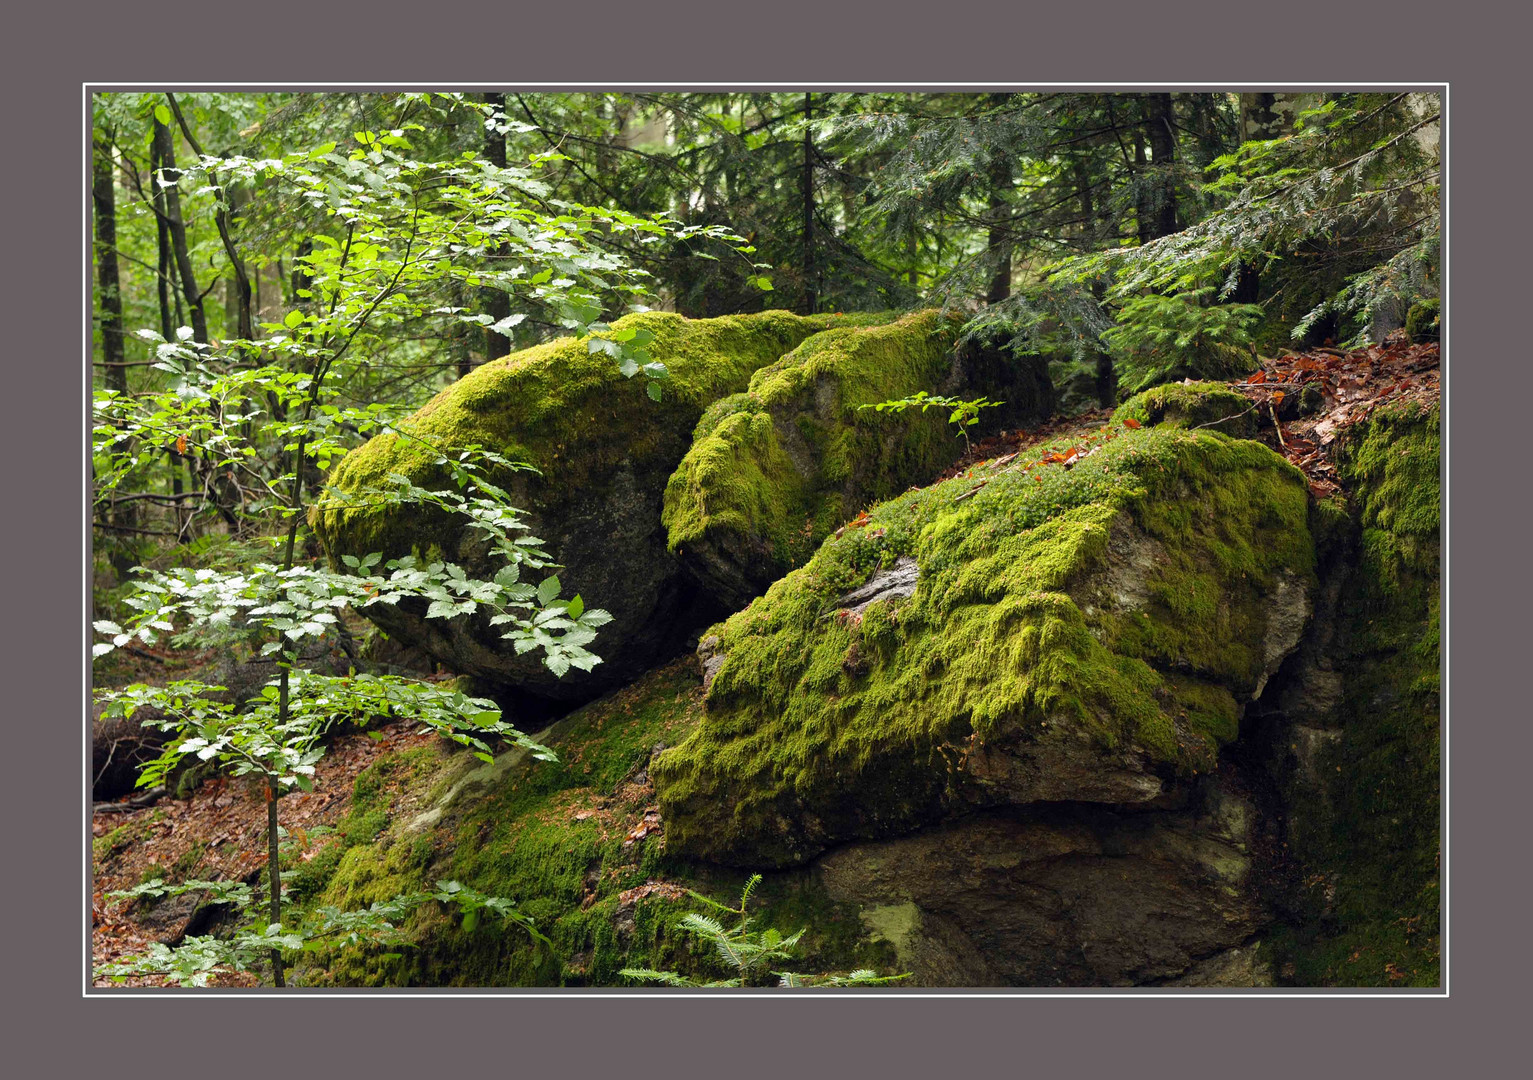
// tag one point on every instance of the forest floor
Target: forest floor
(218, 833)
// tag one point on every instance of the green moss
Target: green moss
(774, 470)
(1371, 836)
(562, 409)
(1424, 321)
(555, 837)
(999, 641)
(1211, 405)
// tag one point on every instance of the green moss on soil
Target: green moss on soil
(808, 705)
(567, 412)
(554, 837)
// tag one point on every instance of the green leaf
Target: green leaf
(548, 592)
(293, 319)
(162, 114)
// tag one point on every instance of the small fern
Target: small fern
(749, 953)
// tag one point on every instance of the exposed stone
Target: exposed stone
(1069, 896)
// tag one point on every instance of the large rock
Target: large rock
(1076, 634)
(1354, 735)
(1061, 896)
(604, 451)
(775, 470)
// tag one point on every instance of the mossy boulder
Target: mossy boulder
(604, 452)
(1212, 406)
(1060, 896)
(1076, 633)
(776, 469)
(1357, 740)
(1066, 895)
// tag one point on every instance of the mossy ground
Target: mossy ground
(565, 411)
(556, 838)
(992, 645)
(1374, 841)
(785, 463)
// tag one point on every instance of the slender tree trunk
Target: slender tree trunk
(274, 853)
(245, 327)
(108, 285)
(1162, 133)
(109, 309)
(496, 302)
(177, 225)
(811, 300)
(998, 242)
(1106, 377)
(162, 237)
(1143, 208)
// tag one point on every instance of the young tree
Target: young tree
(398, 226)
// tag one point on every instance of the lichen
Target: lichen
(992, 645)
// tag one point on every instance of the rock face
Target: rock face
(1060, 896)
(605, 452)
(775, 470)
(1353, 736)
(1088, 635)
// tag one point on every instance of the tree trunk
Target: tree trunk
(1162, 135)
(162, 237)
(495, 302)
(998, 242)
(109, 314)
(177, 225)
(811, 301)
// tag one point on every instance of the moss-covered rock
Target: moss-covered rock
(1360, 755)
(1076, 633)
(1064, 895)
(1203, 405)
(775, 470)
(1424, 321)
(604, 451)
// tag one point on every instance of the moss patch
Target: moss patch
(994, 644)
(774, 470)
(1371, 840)
(562, 409)
(1210, 405)
(557, 837)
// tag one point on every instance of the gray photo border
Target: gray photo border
(898, 44)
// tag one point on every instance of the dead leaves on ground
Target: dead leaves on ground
(1351, 384)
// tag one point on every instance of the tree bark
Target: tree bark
(108, 284)
(1162, 135)
(998, 242)
(811, 300)
(495, 302)
(177, 225)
